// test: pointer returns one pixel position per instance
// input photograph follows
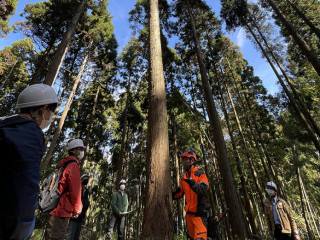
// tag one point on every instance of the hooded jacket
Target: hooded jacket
(70, 188)
(21, 144)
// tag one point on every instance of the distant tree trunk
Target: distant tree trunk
(295, 161)
(123, 135)
(176, 170)
(247, 200)
(63, 117)
(158, 213)
(58, 58)
(296, 94)
(288, 93)
(313, 28)
(304, 47)
(89, 128)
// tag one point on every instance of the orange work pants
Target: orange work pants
(197, 227)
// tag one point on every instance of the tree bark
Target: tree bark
(58, 58)
(236, 217)
(63, 117)
(157, 224)
(304, 47)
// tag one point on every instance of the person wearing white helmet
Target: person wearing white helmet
(75, 224)
(69, 187)
(21, 142)
(119, 206)
(282, 225)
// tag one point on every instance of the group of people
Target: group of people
(21, 145)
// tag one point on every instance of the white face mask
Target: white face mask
(270, 192)
(122, 187)
(81, 155)
(45, 123)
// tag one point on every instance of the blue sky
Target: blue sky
(119, 10)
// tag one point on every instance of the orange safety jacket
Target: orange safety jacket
(195, 187)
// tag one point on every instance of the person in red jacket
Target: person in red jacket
(70, 188)
(194, 185)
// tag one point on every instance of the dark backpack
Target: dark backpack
(49, 196)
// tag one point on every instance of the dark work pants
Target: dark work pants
(73, 231)
(281, 236)
(56, 228)
(119, 221)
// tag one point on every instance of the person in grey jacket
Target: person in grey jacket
(119, 207)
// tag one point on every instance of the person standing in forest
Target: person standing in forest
(282, 225)
(119, 206)
(69, 188)
(21, 144)
(74, 228)
(195, 185)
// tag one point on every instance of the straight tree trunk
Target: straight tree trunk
(247, 200)
(123, 135)
(288, 93)
(63, 117)
(84, 161)
(313, 28)
(63, 47)
(301, 103)
(304, 47)
(295, 160)
(158, 213)
(236, 217)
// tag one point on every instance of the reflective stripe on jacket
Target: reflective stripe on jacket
(70, 188)
(288, 223)
(195, 190)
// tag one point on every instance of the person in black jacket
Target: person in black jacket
(74, 228)
(21, 144)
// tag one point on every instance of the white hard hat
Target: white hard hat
(272, 184)
(123, 182)
(36, 95)
(85, 175)
(76, 143)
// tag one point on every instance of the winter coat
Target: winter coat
(195, 187)
(288, 224)
(119, 202)
(70, 189)
(21, 144)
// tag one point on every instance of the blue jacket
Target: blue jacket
(21, 143)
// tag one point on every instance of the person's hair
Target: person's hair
(52, 107)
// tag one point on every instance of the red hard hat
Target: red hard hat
(189, 153)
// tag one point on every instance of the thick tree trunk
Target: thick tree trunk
(157, 224)
(236, 216)
(63, 117)
(304, 47)
(58, 58)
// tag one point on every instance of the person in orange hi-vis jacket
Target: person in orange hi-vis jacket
(194, 185)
